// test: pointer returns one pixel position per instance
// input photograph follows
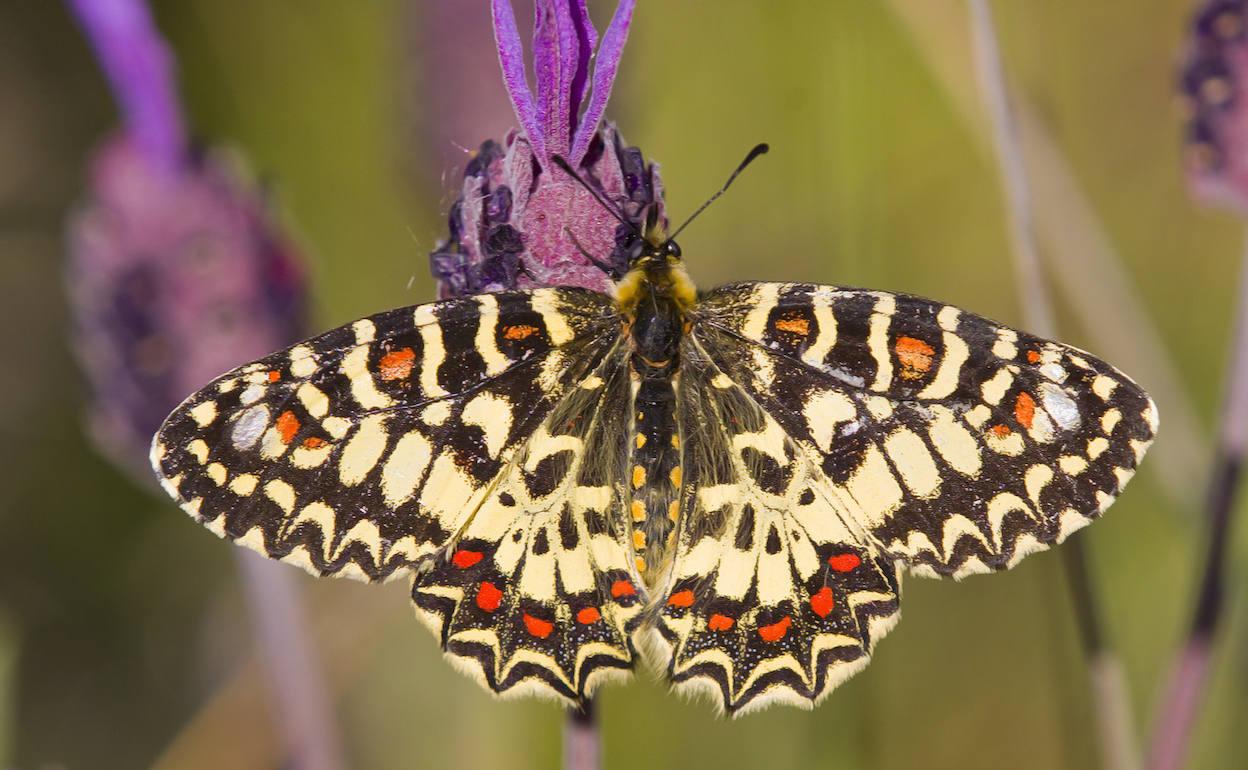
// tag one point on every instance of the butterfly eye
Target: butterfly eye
(672, 251)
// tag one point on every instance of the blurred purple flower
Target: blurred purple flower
(174, 279)
(1211, 83)
(519, 220)
(175, 273)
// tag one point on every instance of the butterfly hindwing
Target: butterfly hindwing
(539, 592)
(364, 450)
(773, 595)
(959, 444)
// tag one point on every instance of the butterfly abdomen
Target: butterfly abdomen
(655, 473)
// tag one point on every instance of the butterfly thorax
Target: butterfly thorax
(654, 298)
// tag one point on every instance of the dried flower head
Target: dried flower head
(519, 220)
(1212, 88)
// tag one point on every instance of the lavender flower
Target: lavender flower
(174, 278)
(1216, 112)
(519, 220)
(175, 274)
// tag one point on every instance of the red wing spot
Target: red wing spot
(538, 627)
(915, 356)
(314, 442)
(465, 559)
(793, 325)
(844, 562)
(621, 588)
(822, 602)
(519, 332)
(287, 426)
(489, 597)
(681, 599)
(274, 375)
(1033, 356)
(588, 615)
(1000, 431)
(396, 365)
(720, 622)
(776, 631)
(1025, 409)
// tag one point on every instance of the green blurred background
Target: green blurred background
(124, 640)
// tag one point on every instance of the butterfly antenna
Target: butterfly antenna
(567, 169)
(759, 149)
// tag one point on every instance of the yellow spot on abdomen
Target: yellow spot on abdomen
(639, 476)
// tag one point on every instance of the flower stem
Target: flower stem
(1189, 673)
(582, 740)
(299, 693)
(1108, 684)
(141, 72)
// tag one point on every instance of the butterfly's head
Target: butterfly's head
(651, 251)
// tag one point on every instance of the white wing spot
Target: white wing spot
(249, 427)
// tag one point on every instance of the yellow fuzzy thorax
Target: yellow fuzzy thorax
(670, 279)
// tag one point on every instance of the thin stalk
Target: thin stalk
(1189, 673)
(299, 696)
(1107, 683)
(582, 740)
(141, 72)
(1078, 250)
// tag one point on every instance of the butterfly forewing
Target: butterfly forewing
(960, 445)
(365, 449)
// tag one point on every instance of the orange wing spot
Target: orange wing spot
(465, 559)
(844, 562)
(397, 364)
(793, 325)
(489, 597)
(720, 622)
(915, 356)
(822, 602)
(776, 631)
(287, 426)
(639, 510)
(274, 375)
(519, 332)
(1000, 431)
(314, 442)
(675, 476)
(681, 599)
(538, 627)
(588, 615)
(1025, 409)
(622, 588)
(1033, 356)
(639, 477)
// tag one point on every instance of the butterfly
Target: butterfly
(728, 481)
